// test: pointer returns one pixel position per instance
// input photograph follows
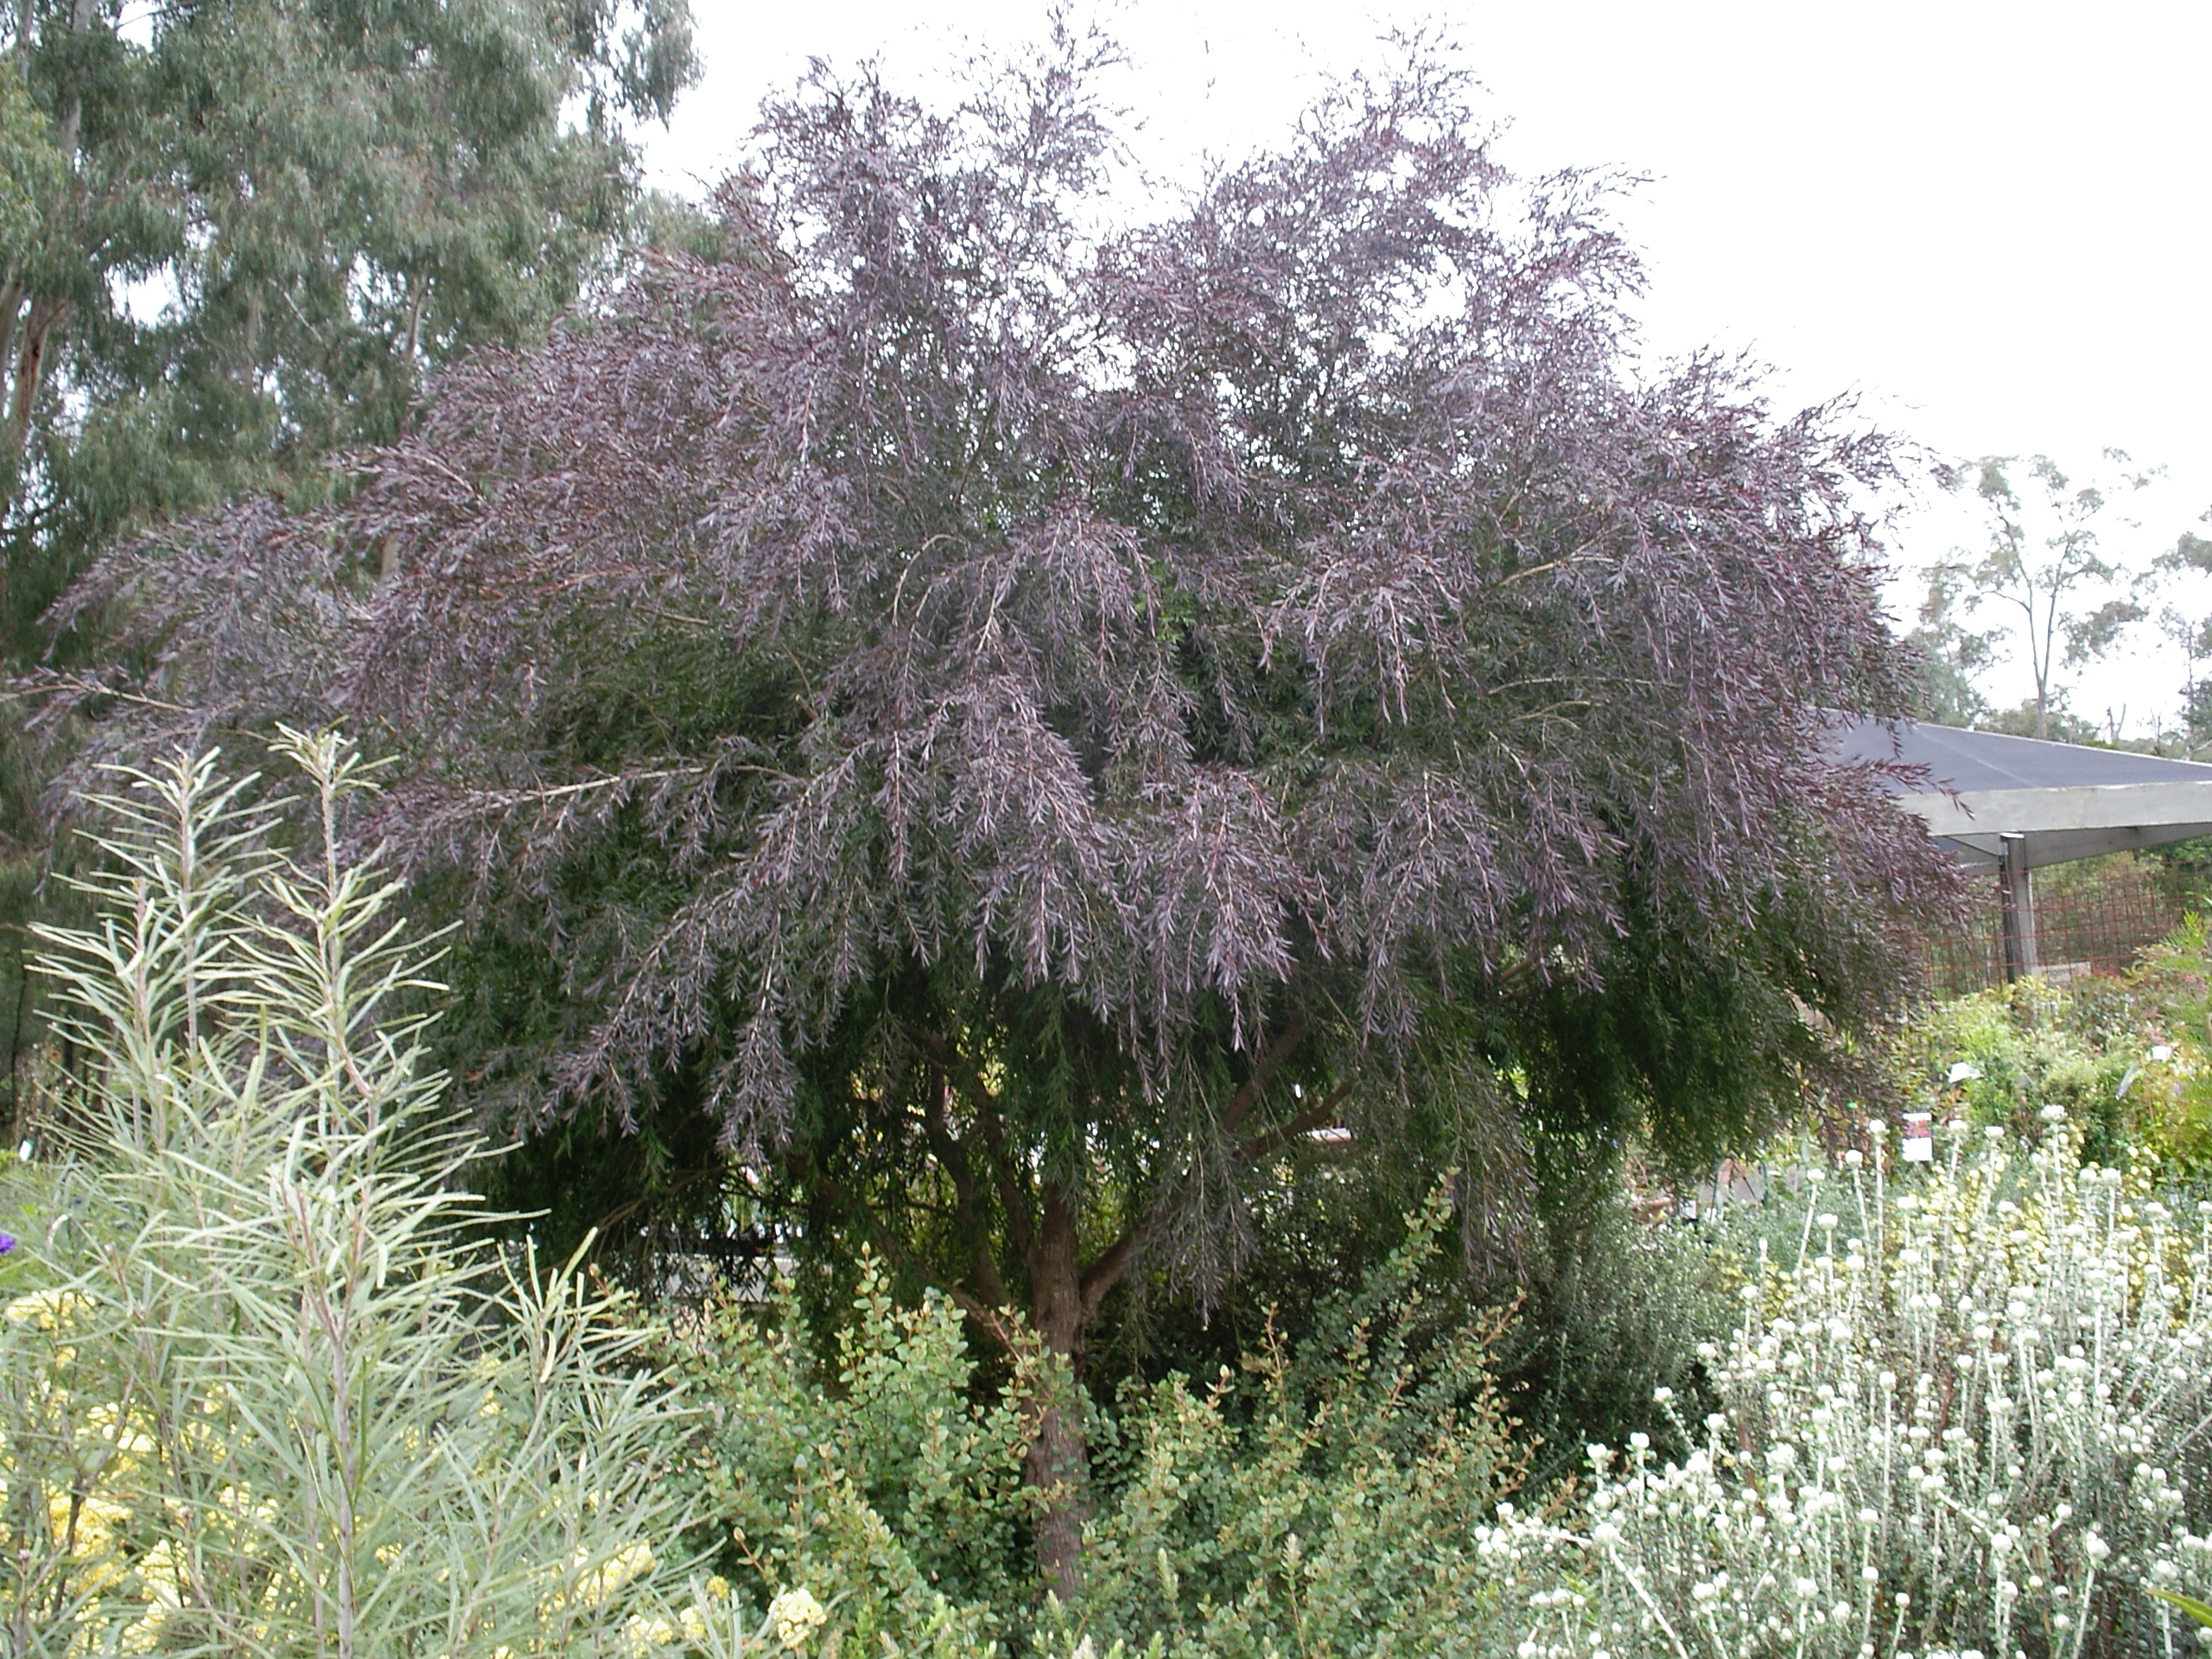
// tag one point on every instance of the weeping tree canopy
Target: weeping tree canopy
(1015, 720)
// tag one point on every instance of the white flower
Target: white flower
(795, 1616)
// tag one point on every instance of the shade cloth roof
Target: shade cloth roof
(2068, 800)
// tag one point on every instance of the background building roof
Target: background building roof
(2068, 799)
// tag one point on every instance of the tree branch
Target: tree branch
(1313, 1117)
(1265, 1065)
(952, 1157)
(1018, 1222)
(1104, 1273)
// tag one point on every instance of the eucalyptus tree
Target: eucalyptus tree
(1951, 654)
(235, 235)
(1018, 721)
(236, 232)
(2045, 559)
(2192, 634)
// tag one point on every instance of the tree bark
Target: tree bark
(30, 373)
(1058, 1465)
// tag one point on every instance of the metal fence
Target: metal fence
(2091, 919)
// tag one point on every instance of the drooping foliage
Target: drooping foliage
(1021, 721)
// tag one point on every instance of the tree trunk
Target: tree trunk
(1059, 1462)
(29, 375)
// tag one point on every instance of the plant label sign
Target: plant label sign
(1918, 1145)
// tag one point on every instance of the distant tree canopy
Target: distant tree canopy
(1015, 725)
(2045, 560)
(234, 233)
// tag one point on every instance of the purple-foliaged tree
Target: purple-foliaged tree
(1028, 717)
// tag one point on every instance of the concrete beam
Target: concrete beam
(2065, 823)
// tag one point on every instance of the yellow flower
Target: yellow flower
(617, 1570)
(46, 1308)
(796, 1616)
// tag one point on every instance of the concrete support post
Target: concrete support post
(2015, 898)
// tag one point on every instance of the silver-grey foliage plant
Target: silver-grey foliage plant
(262, 1395)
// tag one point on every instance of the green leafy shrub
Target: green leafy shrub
(1618, 1306)
(1325, 1497)
(259, 1395)
(2026, 1047)
(873, 1467)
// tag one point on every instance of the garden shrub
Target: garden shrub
(259, 1394)
(2026, 1047)
(1325, 1497)
(1970, 1417)
(1617, 1304)
(265, 1389)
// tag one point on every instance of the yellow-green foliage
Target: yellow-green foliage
(2027, 1050)
(1326, 1499)
(2129, 1058)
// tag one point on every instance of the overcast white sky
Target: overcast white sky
(1993, 221)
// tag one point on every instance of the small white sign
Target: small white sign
(2162, 1050)
(1918, 1142)
(1963, 1071)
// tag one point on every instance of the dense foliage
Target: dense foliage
(243, 230)
(267, 1390)
(259, 1394)
(1018, 723)
(236, 236)
(1968, 1416)
(1322, 1497)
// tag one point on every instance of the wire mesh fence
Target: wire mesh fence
(2092, 917)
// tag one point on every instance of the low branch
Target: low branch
(1318, 1115)
(1106, 1271)
(952, 1159)
(1000, 1321)
(1114, 1260)
(1012, 1200)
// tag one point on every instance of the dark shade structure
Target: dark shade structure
(2014, 805)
